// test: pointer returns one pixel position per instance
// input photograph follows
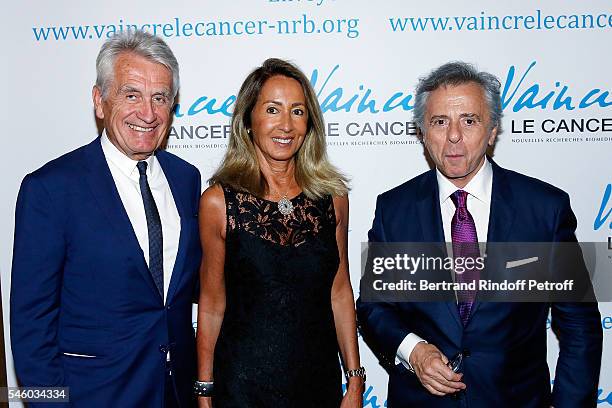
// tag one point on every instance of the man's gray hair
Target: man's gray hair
(453, 74)
(137, 42)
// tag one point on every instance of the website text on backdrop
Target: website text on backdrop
(107, 250)
(276, 303)
(498, 350)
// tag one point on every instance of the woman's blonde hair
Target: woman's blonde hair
(315, 175)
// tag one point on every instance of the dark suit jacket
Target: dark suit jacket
(505, 342)
(80, 285)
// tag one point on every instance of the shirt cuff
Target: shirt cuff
(405, 348)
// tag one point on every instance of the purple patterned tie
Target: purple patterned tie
(465, 245)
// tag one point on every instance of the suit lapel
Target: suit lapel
(181, 201)
(428, 205)
(501, 216)
(430, 216)
(105, 192)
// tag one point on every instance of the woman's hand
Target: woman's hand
(353, 398)
(204, 402)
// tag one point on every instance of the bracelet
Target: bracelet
(203, 388)
(359, 372)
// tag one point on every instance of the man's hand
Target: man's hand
(430, 368)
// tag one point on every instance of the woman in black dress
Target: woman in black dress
(276, 304)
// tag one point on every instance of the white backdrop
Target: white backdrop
(364, 58)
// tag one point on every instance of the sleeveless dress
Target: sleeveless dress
(277, 346)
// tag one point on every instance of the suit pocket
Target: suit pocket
(84, 350)
(521, 262)
(78, 366)
(67, 354)
(87, 370)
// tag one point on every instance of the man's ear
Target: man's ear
(96, 94)
(420, 134)
(493, 136)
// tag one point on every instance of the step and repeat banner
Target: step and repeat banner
(363, 58)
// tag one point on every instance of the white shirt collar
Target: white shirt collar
(479, 186)
(126, 165)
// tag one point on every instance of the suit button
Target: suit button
(466, 352)
(168, 307)
(163, 349)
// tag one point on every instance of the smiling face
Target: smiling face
(279, 119)
(136, 110)
(457, 130)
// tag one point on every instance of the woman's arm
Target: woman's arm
(211, 305)
(343, 305)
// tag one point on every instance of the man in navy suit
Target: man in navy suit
(498, 349)
(107, 251)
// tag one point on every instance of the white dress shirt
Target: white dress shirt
(126, 176)
(479, 205)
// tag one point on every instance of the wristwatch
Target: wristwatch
(359, 372)
(203, 388)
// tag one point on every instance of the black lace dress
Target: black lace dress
(277, 346)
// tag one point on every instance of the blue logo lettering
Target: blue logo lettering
(601, 218)
(372, 401)
(607, 399)
(517, 94)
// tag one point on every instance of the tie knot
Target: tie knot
(459, 198)
(142, 168)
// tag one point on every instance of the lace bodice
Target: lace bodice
(277, 346)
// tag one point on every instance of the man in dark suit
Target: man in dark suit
(106, 249)
(498, 349)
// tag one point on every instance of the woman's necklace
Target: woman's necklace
(285, 206)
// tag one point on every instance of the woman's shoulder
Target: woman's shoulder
(213, 198)
(341, 208)
(340, 200)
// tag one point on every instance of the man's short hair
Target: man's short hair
(139, 43)
(453, 74)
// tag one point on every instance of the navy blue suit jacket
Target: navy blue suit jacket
(81, 285)
(505, 342)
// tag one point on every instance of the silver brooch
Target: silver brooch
(285, 206)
